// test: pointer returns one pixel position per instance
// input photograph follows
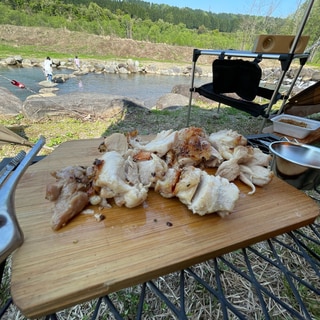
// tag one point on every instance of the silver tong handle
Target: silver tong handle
(11, 233)
(10, 183)
(11, 166)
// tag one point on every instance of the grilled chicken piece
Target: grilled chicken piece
(69, 192)
(53, 190)
(261, 175)
(160, 145)
(230, 169)
(166, 186)
(201, 192)
(193, 147)
(225, 141)
(131, 171)
(111, 177)
(214, 194)
(129, 167)
(152, 170)
(255, 176)
(188, 184)
(70, 203)
(144, 167)
(246, 177)
(116, 142)
(249, 164)
(259, 158)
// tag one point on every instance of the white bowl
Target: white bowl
(293, 130)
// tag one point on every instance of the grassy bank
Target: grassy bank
(59, 130)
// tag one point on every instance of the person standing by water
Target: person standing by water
(77, 62)
(48, 68)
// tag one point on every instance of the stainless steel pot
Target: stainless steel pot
(296, 163)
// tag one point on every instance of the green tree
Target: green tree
(140, 20)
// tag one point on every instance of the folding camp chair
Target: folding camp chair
(8, 136)
(304, 103)
(232, 74)
(237, 82)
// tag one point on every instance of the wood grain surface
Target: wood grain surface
(313, 137)
(87, 259)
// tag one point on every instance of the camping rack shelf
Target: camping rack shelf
(251, 107)
(284, 58)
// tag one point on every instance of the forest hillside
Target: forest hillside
(154, 23)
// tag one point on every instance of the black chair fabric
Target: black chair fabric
(250, 107)
(239, 76)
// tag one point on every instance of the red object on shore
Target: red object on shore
(18, 84)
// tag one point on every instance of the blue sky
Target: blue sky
(280, 8)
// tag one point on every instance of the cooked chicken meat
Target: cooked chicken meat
(166, 186)
(131, 171)
(249, 164)
(115, 142)
(259, 158)
(255, 176)
(111, 178)
(188, 184)
(70, 204)
(152, 170)
(214, 194)
(160, 145)
(230, 169)
(69, 192)
(225, 141)
(170, 163)
(260, 175)
(192, 147)
(256, 171)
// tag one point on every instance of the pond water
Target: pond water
(145, 87)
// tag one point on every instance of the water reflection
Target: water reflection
(145, 87)
(30, 77)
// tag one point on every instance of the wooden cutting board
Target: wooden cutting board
(87, 259)
(313, 137)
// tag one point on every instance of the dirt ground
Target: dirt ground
(65, 41)
(80, 43)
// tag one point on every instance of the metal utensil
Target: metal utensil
(10, 231)
(11, 166)
(300, 154)
(296, 163)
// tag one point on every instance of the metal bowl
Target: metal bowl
(296, 163)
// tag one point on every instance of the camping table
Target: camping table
(89, 259)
